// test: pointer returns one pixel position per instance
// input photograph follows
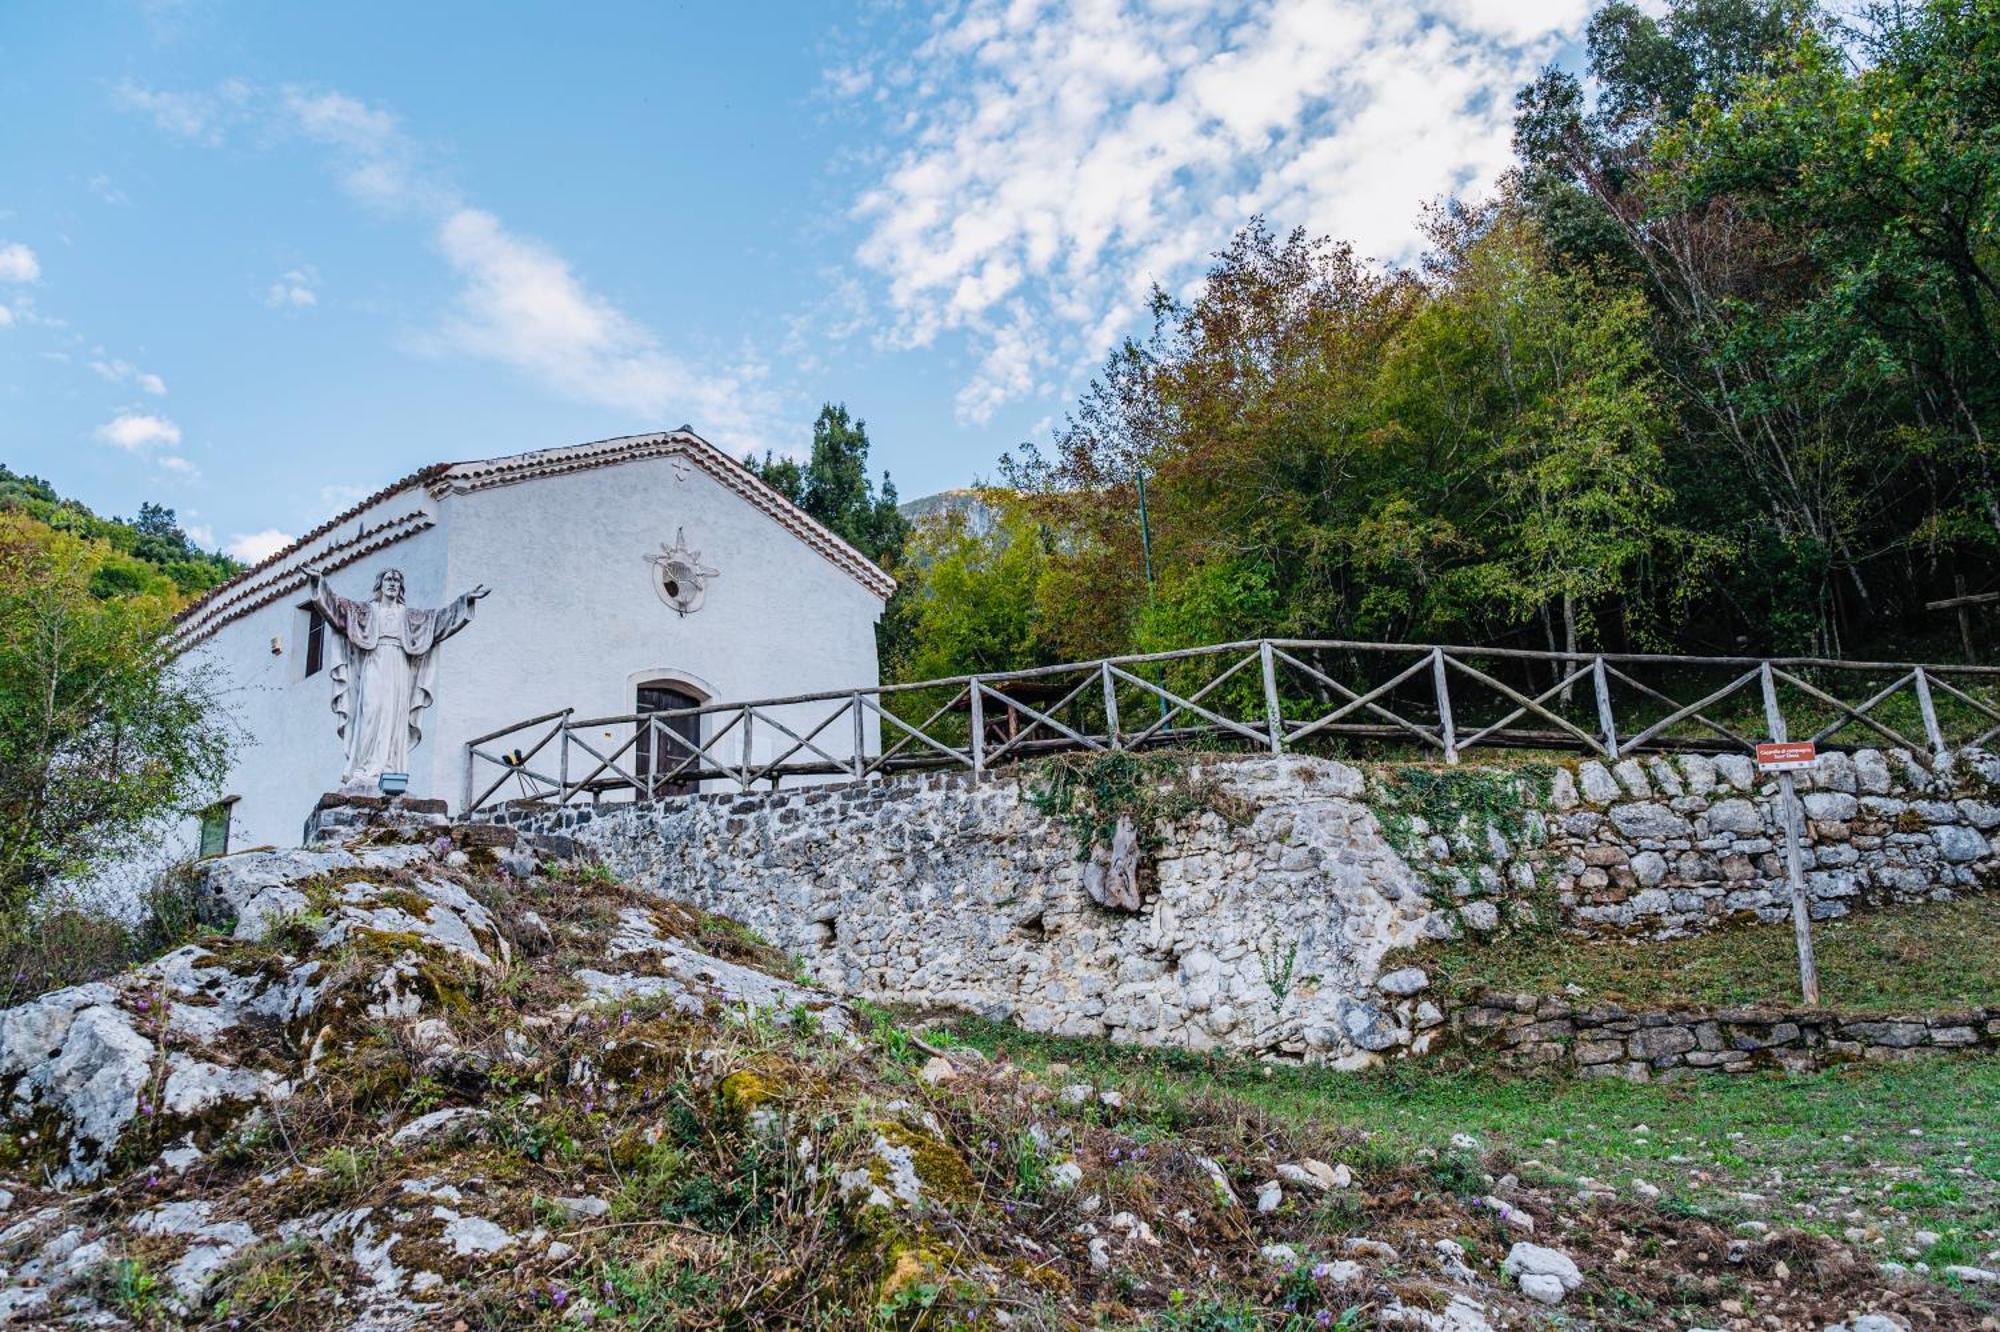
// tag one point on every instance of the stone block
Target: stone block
(1829, 806)
(1737, 770)
(1632, 776)
(1980, 814)
(1645, 821)
(1735, 816)
(1660, 1042)
(1835, 771)
(1699, 772)
(1892, 1035)
(1959, 844)
(1596, 783)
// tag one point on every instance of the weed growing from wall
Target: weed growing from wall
(1277, 966)
(1089, 793)
(1412, 803)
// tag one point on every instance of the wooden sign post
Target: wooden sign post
(1785, 757)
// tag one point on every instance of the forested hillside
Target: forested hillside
(140, 551)
(1712, 370)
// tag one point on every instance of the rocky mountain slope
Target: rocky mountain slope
(413, 1082)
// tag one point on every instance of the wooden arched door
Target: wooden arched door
(662, 753)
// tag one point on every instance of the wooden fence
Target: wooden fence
(1273, 695)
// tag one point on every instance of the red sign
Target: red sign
(1786, 755)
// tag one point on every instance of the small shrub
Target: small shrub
(56, 944)
(1089, 793)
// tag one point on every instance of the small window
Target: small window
(215, 828)
(315, 642)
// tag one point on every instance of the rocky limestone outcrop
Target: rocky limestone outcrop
(314, 951)
(182, 1047)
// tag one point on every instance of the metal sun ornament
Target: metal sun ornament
(679, 576)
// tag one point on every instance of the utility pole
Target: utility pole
(1145, 532)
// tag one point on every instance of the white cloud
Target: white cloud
(296, 290)
(253, 547)
(134, 431)
(178, 466)
(519, 303)
(200, 117)
(1058, 157)
(102, 186)
(201, 535)
(18, 263)
(6, 317)
(124, 372)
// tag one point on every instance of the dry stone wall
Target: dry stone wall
(1668, 846)
(1605, 1040)
(1272, 930)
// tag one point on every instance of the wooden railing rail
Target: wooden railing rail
(1273, 695)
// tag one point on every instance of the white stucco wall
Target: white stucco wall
(573, 621)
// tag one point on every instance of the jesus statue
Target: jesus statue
(389, 658)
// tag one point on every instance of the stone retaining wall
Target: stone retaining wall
(1274, 933)
(1604, 1040)
(1265, 934)
(1668, 846)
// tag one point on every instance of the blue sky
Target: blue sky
(256, 260)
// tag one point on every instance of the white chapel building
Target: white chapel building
(646, 573)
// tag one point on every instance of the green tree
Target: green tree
(1886, 173)
(833, 486)
(103, 730)
(972, 586)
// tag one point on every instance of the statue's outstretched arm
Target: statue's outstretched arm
(459, 614)
(333, 607)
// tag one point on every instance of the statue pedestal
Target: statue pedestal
(340, 816)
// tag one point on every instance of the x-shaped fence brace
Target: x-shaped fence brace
(1275, 694)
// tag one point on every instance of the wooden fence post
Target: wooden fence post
(1443, 689)
(1606, 723)
(978, 730)
(1924, 705)
(1273, 716)
(1788, 799)
(1110, 703)
(860, 736)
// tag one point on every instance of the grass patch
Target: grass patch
(1908, 1147)
(1926, 956)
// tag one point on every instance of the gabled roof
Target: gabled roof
(278, 574)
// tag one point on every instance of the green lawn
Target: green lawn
(1928, 956)
(1885, 1149)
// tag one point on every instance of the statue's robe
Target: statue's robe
(382, 683)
